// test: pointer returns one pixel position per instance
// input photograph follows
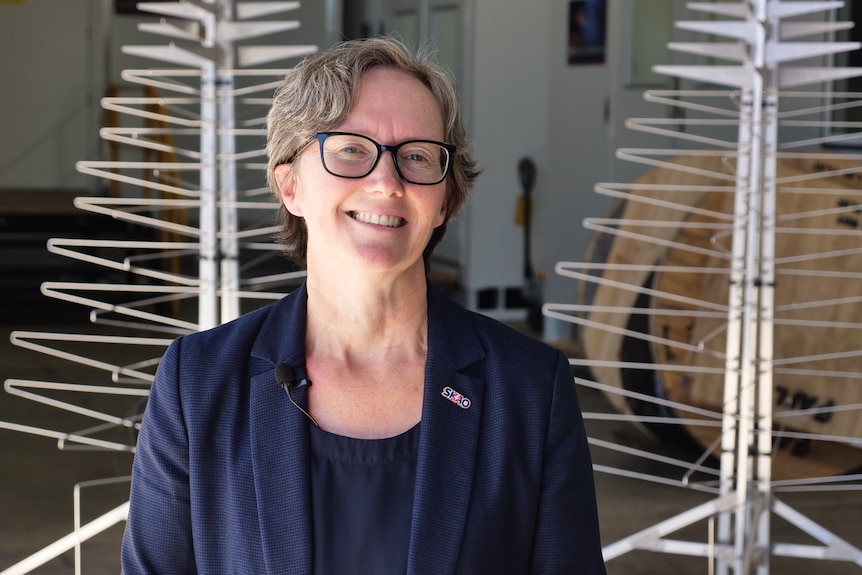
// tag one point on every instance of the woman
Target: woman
(432, 440)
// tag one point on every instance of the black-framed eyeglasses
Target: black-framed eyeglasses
(348, 155)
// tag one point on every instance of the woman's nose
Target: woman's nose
(384, 177)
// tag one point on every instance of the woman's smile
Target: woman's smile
(378, 219)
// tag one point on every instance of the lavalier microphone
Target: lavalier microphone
(290, 377)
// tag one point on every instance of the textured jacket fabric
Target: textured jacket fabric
(221, 479)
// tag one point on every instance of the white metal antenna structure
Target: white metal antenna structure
(732, 241)
(194, 131)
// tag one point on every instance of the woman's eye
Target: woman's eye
(352, 151)
(416, 158)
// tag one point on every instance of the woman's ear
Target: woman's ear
(441, 217)
(285, 179)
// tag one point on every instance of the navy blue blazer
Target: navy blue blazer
(221, 481)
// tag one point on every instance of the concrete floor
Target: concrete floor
(37, 480)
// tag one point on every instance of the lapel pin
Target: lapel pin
(456, 398)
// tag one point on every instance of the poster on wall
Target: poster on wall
(587, 32)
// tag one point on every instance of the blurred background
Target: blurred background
(552, 82)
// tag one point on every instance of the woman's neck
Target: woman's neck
(362, 316)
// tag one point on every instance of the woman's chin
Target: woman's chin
(366, 261)
(385, 256)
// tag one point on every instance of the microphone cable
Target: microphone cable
(286, 377)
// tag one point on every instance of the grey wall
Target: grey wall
(58, 56)
(52, 75)
(579, 156)
(528, 101)
(509, 119)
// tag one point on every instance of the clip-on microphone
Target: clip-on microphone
(287, 377)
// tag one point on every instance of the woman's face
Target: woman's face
(380, 221)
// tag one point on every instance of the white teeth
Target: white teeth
(377, 219)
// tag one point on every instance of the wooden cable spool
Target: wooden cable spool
(699, 342)
(604, 247)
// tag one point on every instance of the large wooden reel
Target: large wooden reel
(827, 226)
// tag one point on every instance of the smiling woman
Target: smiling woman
(317, 97)
(321, 186)
(433, 440)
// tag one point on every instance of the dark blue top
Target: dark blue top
(362, 502)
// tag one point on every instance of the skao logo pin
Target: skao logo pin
(456, 398)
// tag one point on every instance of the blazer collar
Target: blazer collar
(279, 440)
(451, 416)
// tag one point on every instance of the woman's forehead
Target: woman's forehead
(391, 100)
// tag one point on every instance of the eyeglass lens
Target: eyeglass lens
(355, 156)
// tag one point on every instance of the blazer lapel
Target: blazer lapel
(451, 416)
(279, 442)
